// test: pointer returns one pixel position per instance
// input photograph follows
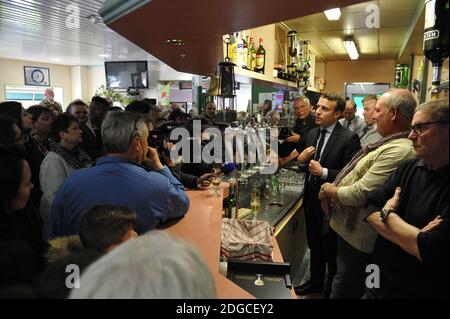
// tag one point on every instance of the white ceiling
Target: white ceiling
(326, 36)
(37, 30)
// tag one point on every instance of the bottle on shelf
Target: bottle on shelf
(435, 40)
(232, 48)
(260, 57)
(251, 55)
(245, 51)
(239, 50)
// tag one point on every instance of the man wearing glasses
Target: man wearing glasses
(119, 179)
(410, 212)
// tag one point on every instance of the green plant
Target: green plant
(113, 95)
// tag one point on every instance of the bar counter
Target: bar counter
(202, 227)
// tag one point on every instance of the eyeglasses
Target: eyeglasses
(135, 130)
(419, 127)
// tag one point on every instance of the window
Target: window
(28, 95)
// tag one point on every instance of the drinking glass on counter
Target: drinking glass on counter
(255, 202)
(215, 181)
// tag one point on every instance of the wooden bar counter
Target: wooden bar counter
(202, 227)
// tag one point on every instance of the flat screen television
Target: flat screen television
(126, 74)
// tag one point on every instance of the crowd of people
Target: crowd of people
(78, 187)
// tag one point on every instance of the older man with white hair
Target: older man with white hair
(369, 134)
(153, 266)
(50, 100)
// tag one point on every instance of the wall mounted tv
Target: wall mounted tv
(126, 74)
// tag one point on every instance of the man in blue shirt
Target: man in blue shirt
(119, 179)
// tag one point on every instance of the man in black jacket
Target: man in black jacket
(328, 148)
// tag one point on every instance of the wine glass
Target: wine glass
(215, 181)
(255, 202)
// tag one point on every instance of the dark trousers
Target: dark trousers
(349, 281)
(322, 245)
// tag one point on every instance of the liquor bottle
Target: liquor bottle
(260, 57)
(251, 56)
(229, 204)
(435, 40)
(245, 51)
(232, 48)
(239, 49)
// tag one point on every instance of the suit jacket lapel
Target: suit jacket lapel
(331, 140)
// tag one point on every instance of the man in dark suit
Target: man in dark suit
(328, 148)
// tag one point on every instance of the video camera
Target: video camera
(161, 134)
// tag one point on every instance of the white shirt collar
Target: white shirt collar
(329, 128)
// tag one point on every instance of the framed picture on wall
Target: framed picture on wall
(36, 76)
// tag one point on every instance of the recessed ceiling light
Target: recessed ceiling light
(56, 59)
(177, 42)
(333, 14)
(104, 55)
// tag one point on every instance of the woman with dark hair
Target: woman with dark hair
(62, 160)
(42, 118)
(16, 111)
(10, 132)
(21, 248)
(33, 150)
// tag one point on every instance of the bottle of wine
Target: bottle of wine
(251, 55)
(245, 51)
(229, 205)
(232, 48)
(435, 40)
(239, 49)
(260, 57)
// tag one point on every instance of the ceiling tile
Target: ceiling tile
(392, 37)
(399, 5)
(396, 18)
(357, 8)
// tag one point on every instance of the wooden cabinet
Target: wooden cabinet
(291, 237)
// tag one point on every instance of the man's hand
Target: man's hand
(294, 138)
(432, 225)
(152, 159)
(315, 168)
(306, 155)
(392, 203)
(204, 177)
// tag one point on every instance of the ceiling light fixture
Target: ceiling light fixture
(104, 55)
(56, 59)
(177, 42)
(333, 14)
(351, 49)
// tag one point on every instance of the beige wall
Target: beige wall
(11, 73)
(95, 78)
(339, 72)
